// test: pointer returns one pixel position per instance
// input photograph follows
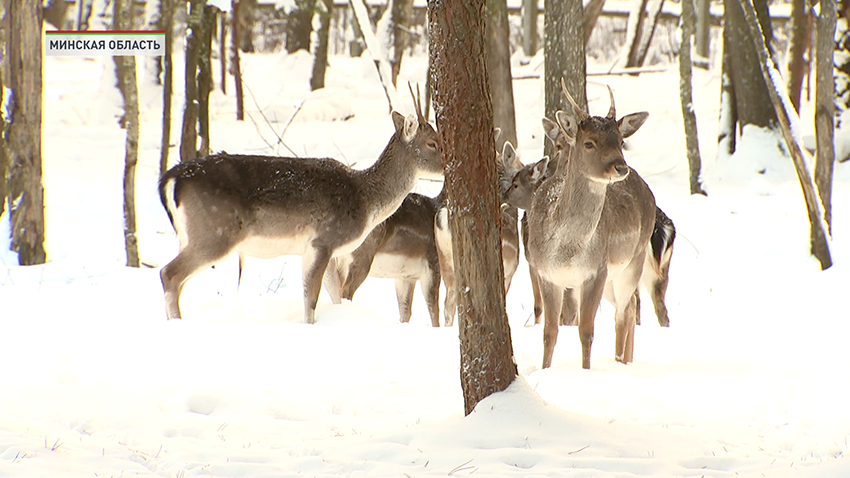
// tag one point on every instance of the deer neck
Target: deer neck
(579, 208)
(388, 180)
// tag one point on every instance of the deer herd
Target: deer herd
(590, 227)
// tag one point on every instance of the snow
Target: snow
(749, 380)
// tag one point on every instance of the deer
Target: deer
(655, 277)
(589, 228)
(401, 248)
(265, 207)
(505, 160)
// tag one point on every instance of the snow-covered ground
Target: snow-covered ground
(750, 379)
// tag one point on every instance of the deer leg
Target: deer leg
(590, 296)
(659, 291)
(552, 296)
(569, 308)
(175, 274)
(623, 289)
(314, 263)
(637, 307)
(430, 286)
(333, 280)
(239, 276)
(629, 352)
(532, 272)
(404, 294)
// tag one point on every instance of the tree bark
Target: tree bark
(465, 124)
(125, 72)
(819, 238)
(529, 27)
(825, 107)
(686, 95)
(167, 17)
(222, 51)
(189, 136)
(703, 28)
(646, 37)
(320, 49)
(4, 73)
(400, 13)
(26, 192)
(564, 57)
(235, 62)
(799, 42)
(205, 79)
(499, 70)
(246, 20)
(728, 121)
(634, 31)
(752, 100)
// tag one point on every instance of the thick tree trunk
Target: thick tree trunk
(235, 62)
(686, 95)
(825, 107)
(799, 42)
(752, 100)
(167, 16)
(300, 26)
(465, 123)
(125, 72)
(819, 236)
(320, 49)
(26, 192)
(564, 57)
(189, 136)
(529, 27)
(205, 79)
(499, 70)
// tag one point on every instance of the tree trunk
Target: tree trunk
(4, 73)
(222, 51)
(379, 56)
(728, 121)
(125, 72)
(205, 79)
(529, 27)
(235, 62)
(84, 8)
(686, 95)
(189, 137)
(591, 14)
(26, 192)
(465, 124)
(634, 31)
(703, 28)
(563, 57)
(400, 13)
(646, 37)
(54, 13)
(300, 26)
(752, 100)
(246, 20)
(320, 49)
(819, 238)
(167, 16)
(499, 70)
(799, 42)
(825, 107)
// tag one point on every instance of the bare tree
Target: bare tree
(222, 50)
(529, 27)
(564, 57)
(204, 78)
(167, 18)
(591, 14)
(320, 47)
(498, 48)
(686, 94)
(703, 27)
(125, 72)
(235, 62)
(465, 125)
(778, 100)
(189, 136)
(4, 155)
(644, 33)
(825, 110)
(25, 189)
(400, 12)
(799, 43)
(300, 26)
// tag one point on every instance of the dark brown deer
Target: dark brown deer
(268, 207)
(400, 248)
(505, 160)
(589, 229)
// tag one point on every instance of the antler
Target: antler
(417, 102)
(612, 112)
(581, 114)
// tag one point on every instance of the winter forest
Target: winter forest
(402, 238)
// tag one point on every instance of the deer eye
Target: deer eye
(589, 145)
(432, 144)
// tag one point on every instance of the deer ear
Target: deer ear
(510, 158)
(411, 127)
(398, 120)
(630, 123)
(550, 128)
(538, 171)
(496, 133)
(568, 123)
